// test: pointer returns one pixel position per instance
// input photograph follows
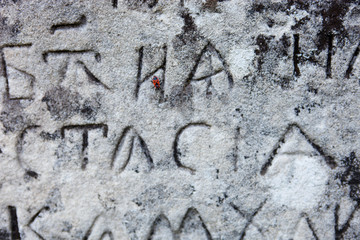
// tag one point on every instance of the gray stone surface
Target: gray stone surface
(253, 134)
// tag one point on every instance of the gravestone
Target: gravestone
(252, 131)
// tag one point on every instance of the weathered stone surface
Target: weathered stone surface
(253, 133)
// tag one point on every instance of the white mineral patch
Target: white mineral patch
(241, 60)
(297, 181)
(298, 175)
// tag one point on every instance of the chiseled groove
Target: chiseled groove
(65, 26)
(176, 143)
(328, 159)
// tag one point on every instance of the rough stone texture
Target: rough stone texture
(253, 134)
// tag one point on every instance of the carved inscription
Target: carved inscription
(152, 62)
(352, 61)
(91, 76)
(15, 234)
(114, 3)
(73, 60)
(295, 155)
(329, 55)
(98, 230)
(299, 56)
(50, 53)
(328, 159)
(38, 214)
(85, 135)
(192, 227)
(64, 26)
(19, 151)
(236, 149)
(176, 151)
(300, 193)
(249, 218)
(340, 230)
(124, 151)
(19, 82)
(306, 229)
(211, 68)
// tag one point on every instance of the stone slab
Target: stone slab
(251, 133)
